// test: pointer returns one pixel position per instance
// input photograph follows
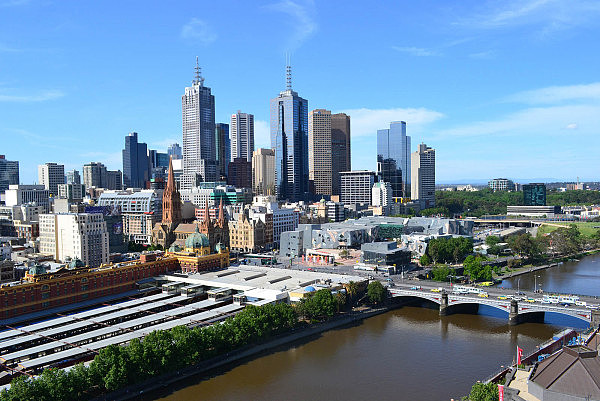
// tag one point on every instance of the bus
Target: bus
(461, 289)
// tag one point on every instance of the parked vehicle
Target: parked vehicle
(439, 289)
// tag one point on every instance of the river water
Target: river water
(410, 353)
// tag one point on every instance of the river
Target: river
(407, 354)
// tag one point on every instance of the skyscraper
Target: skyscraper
(136, 167)
(393, 158)
(423, 176)
(320, 151)
(223, 149)
(174, 151)
(198, 115)
(94, 174)
(242, 136)
(263, 172)
(340, 149)
(9, 173)
(289, 139)
(73, 177)
(50, 175)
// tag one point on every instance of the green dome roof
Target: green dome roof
(76, 263)
(196, 240)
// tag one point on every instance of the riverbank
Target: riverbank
(145, 390)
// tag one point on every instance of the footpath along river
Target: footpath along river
(407, 354)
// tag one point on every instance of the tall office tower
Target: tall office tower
(75, 235)
(393, 158)
(9, 173)
(263, 172)
(240, 173)
(94, 175)
(289, 138)
(223, 150)
(423, 176)
(242, 136)
(158, 159)
(174, 151)
(73, 177)
(356, 187)
(198, 112)
(50, 175)
(319, 151)
(136, 167)
(534, 194)
(340, 149)
(114, 180)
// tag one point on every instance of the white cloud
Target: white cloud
(571, 126)
(486, 55)
(36, 97)
(262, 134)
(303, 22)
(416, 51)
(557, 94)
(366, 122)
(163, 144)
(198, 30)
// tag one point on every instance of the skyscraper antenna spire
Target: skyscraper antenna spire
(288, 73)
(198, 76)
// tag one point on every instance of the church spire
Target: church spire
(221, 214)
(171, 212)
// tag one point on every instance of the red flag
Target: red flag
(519, 355)
(500, 392)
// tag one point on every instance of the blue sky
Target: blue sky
(498, 88)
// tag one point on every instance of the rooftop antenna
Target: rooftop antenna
(198, 77)
(288, 73)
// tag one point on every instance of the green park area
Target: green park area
(587, 229)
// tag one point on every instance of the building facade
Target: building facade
(356, 187)
(163, 233)
(393, 158)
(247, 235)
(381, 194)
(136, 166)
(198, 121)
(73, 177)
(80, 236)
(263, 172)
(174, 151)
(423, 176)
(534, 194)
(340, 149)
(212, 194)
(289, 139)
(9, 173)
(501, 184)
(72, 192)
(223, 149)
(140, 210)
(320, 162)
(20, 194)
(240, 173)
(242, 136)
(50, 175)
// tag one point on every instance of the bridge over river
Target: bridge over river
(518, 310)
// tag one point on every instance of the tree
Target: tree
(425, 260)
(483, 392)
(344, 253)
(376, 292)
(440, 273)
(476, 270)
(319, 306)
(491, 240)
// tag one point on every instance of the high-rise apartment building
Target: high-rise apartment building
(393, 158)
(75, 235)
(242, 136)
(223, 149)
(71, 192)
(381, 194)
(263, 172)
(340, 149)
(174, 151)
(198, 115)
(423, 176)
(501, 184)
(50, 175)
(320, 151)
(356, 187)
(73, 177)
(96, 175)
(9, 173)
(289, 139)
(136, 167)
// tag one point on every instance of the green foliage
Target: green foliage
(376, 292)
(133, 247)
(441, 273)
(160, 352)
(528, 246)
(495, 250)
(491, 240)
(319, 306)
(425, 260)
(476, 270)
(483, 392)
(435, 211)
(446, 250)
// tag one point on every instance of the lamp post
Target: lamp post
(535, 285)
(518, 285)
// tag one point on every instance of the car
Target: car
(502, 297)
(532, 300)
(519, 293)
(439, 289)
(483, 295)
(310, 269)
(415, 287)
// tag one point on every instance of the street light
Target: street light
(518, 285)
(535, 285)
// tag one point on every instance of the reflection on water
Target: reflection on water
(408, 354)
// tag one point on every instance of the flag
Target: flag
(519, 355)
(500, 392)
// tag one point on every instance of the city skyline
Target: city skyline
(479, 81)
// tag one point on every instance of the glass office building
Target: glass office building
(534, 194)
(393, 158)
